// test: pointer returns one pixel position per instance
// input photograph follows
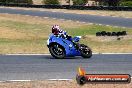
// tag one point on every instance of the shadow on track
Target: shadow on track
(50, 57)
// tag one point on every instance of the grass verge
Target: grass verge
(27, 34)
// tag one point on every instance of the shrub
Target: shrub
(79, 2)
(51, 2)
(23, 1)
(17, 1)
(2, 1)
(127, 3)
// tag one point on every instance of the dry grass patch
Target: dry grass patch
(11, 34)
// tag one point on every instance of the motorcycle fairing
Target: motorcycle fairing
(68, 45)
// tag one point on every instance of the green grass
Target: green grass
(92, 29)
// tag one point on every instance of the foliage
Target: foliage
(53, 2)
(79, 2)
(17, 1)
(126, 3)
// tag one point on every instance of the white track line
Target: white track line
(27, 15)
(16, 81)
(116, 53)
(33, 80)
(50, 54)
(91, 23)
(27, 54)
(62, 19)
(59, 79)
(45, 17)
(83, 22)
(37, 16)
(54, 18)
(99, 24)
(107, 25)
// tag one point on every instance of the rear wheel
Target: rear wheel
(57, 51)
(86, 52)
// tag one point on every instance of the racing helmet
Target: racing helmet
(55, 29)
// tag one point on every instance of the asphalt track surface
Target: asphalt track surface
(40, 67)
(105, 20)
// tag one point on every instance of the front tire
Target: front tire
(57, 51)
(85, 51)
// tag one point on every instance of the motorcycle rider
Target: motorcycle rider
(58, 32)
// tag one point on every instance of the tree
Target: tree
(23, 1)
(101, 2)
(79, 2)
(2, 1)
(17, 1)
(113, 2)
(51, 2)
(109, 2)
(126, 2)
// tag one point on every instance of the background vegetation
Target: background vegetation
(75, 2)
(53, 2)
(17, 1)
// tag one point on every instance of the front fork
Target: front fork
(76, 45)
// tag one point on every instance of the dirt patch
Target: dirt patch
(59, 84)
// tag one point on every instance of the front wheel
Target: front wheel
(57, 51)
(86, 52)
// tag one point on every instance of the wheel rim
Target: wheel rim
(57, 50)
(85, 50)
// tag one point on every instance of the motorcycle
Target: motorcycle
(61, 47)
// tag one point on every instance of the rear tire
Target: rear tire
(57, 51)
(86, 52)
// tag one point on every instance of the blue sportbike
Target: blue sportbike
(62, 47)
